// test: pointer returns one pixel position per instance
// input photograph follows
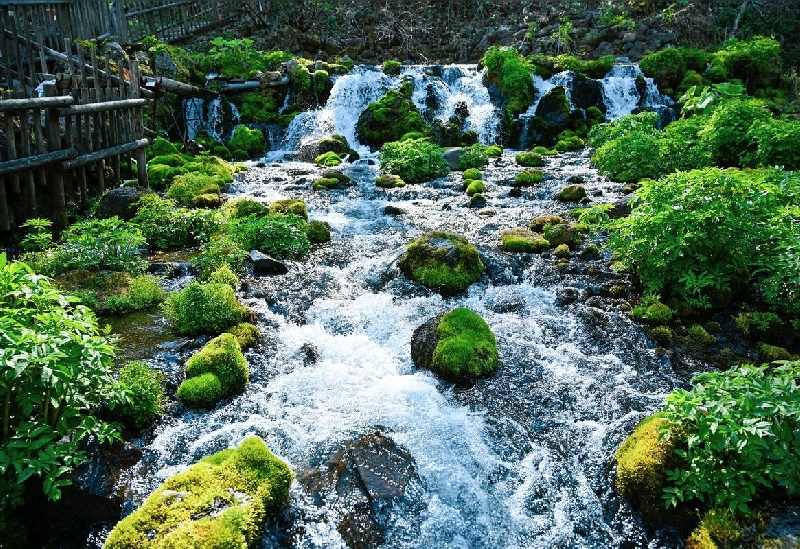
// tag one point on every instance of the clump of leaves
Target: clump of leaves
(511, 73)
(283, 236)
(144, 394)
(413, 160)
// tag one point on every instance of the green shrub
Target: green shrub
(645, 122)
(252, 141)
(529, 159)
(392, 67)
(238, 58)
(202, 391)
(697, 234)
(187, 187)
(670, 66)
(466, 347)
(143, 293)
(258, 108)
(222, 357)
(444, 262)
(390, 118)
(219, 251)
(223, 274)
(204, 309)
(745, 418)
(474, 156)
(631, 157)
(318, 232)
(328, 159)
(246, 334)
(529, 177)
(511, 73)
(475, 187)
(166, 226)
(414, 160)
(144, 392)
(726, 133)
(777, 144)
(40, 234)
(242, 207)
(221, 501)
(281, 236)
(522, 240)
(289, 206)
(471, 173)
(757, 62)
(56, 376)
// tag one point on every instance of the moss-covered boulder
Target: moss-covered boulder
(318, 232)
(571, 193)
(221, 501)
(522, 240)
(222, 357)
(527, 178)
(457, 345)
(328, 159)
(325, 184)
(444, 262)
(389, 181)
(472, 173)
(296, 206)
(539, 223)
(246, 334)
(642, 462)
(475, 187)
(562, 233)
(529, 159)
(338, 175)
(251, 141)
(390, 117)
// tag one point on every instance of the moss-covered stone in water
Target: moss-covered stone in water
(522, 240)
(529, 159)
(328, 159)
(562, 251)
(246, 334)
(251, 141)
(562, 234)
(529, 177)
(223, 357)
(318, 232)
(296, 206)
(472, 173)
(444, 262)
(392, 67)
(494, 151)
(538, 224)
(219, 502)
(642, 462)
(475, 187)
(466, 348)
(389, 181)
(571, 193)
(202, 391)
(325, 183)
(389, 118)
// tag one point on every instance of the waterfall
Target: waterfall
(202, 115)
(622, 96)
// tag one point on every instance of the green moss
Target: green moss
(389, 118)
(444, 262)
(562, 251)
(529, 177)
(494, 151)
(242, 207)
(318, 232)
(325, 183)
(187, 187)
(773, 352)
(221, 502)
(698, 335)
(334, 143)
(538, 224)
(204, 309)
(655, 313)
(642, 462)
(303, 92)
(561, 233)
(144, 388)
(246, 334)
(222, 357)
(162, 147)
(392, 67)
(544, 151)
(251, 141)
(258, 108)
(389, 181)
(475, 187)
(294, 206)
(571, 193)
(210, 200)
(523, 241)
(509, 71)
(202, 391)
(466, 347)
(161, 175)
(663, 335)
(328, 159)
(223, 274)
(472, 173)
(529, 159)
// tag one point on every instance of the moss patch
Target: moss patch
(296, 206)
(529, 177)
(389, 118)
(389, 181)
(466, 348)
(522, 240)
(529, 159)
(220, 501)
(444, 262)
(571, 193)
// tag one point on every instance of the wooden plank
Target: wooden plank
(125, 148)
(91, 108)
(35, 103)
(35, 161)
(85, 131)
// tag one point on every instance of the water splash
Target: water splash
(621, 93)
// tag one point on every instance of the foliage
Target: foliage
(390, 118)
(246, 483)
(166, 226)
(93, 244)
(258, 108)
(242, 207)
(474, 156)
(507, 69)
(251, 141)
(318, 232)
(745, 418)
(413, 160)
(466, 346)
(39, 237)
(218, 251)
(726, 133)
(755, 62)
(188, 187)
(494, 151)
(668, 67)
(246, 334)
(237, 58)
(204, 309)
(56, 374)
(282, 236)
(631, 157)
(696, 100)
(144, 394)
(571, 193)
(595, 215)
(289, 206)
(144, 292)
(202, 391)
(529, 177)
(643, 122)
(162, 147)
(695, 234)
(444, 262)
(777, 144)
(223, 274)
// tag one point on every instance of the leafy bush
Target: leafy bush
(282, 236)
(144, 394)
(252, 141)
(474, 156)
(507, 69)
(56, 374)
(697, 234)
(238, 58)
(218, 251)
(143, 292)
(745, 418)
(756, 62)
(669, 66)
(258, 108)
(414, 160)
(223, 274)
(40, 235)
(631, 157)
(726, 133)
(166, 226)
(645, 122)
(777, 144)
(204, 309)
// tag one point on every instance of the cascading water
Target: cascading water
(622, 95)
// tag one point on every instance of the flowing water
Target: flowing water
(522, 459)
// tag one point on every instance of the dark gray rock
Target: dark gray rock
(424, 342)
(265, 265)
(120, 202)
(452, 156)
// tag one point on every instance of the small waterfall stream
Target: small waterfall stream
(522, 459)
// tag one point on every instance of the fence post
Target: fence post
(59, 212)
(121, 21)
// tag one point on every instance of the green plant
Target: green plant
(187, 187)
(252, 141)
(144, 292)
(258, 108)
(221, 501)
(595, 215)
(669, 66)
(289, 206)
(39, 237)
(644, 122)
(757, 62)
(466, 346)
(218, 251)
(144, 394)
(166, 226)
(56, 374)
(529, 159)
(726, 133)
(631, 157)
(390, 118)
(507, 69)
(282, 236)
(223, 274)
(414, 160)
(237, 58)
(777, 144)
(745, 419)
(222, 357)
(474, 156)
(204, 309)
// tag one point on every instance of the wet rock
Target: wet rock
(424, 342)
(571, 193)
(265, 265)
(515, 192)
(452, 157)
(587, 93)
(442, 261)
(393, 210)
(370, 481)
(554, 109)
(309, 354)
(120, 202)
(168, 269)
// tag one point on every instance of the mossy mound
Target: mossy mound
(562, 234)
(529, 177)
(562, 251)
(539, 223)
(389, 118)
(325, 184)
(529, 159)
(162, 147)
(328, 159)
(246, 334)
(202, 391)
(389, 181)
(522, 240)
(296, 206)
(222, 357)
(471, 173)
(251, 141)
(456, 346)
(392, 67)
(494, 151)
(444, 262)
(475, 187)
(221, 501)
(242, 207)
(642, 462)
(338, 175)
(571, 193)
(318, 232)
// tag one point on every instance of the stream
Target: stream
(521, 459)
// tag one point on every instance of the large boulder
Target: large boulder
(121, 202)
(586, 93)
(444, 262)
(369, 481)
(554, 109)
(389, 118)
(458, 345)
(265, 265)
